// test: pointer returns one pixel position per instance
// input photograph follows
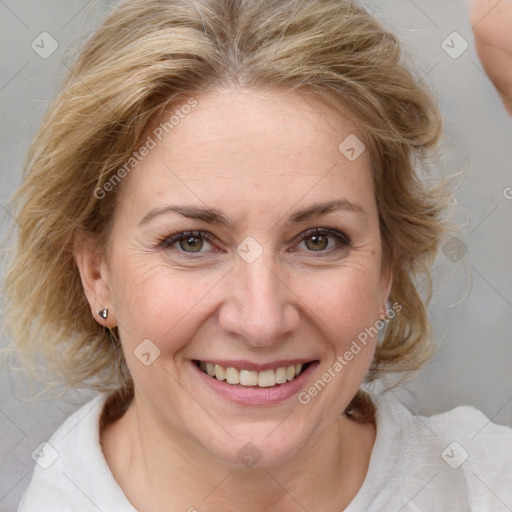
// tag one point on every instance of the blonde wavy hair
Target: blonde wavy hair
(149, 55)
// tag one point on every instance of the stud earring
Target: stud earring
(103, 313)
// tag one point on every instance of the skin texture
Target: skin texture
(491, 21)
(257, 157)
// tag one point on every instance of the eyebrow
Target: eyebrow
(213, 216)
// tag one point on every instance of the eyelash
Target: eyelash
(343, 240)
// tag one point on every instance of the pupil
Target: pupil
(318, 241)
(194, 243)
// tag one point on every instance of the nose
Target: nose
(260, 307)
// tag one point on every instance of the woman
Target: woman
(222, 227)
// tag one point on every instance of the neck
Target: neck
(148, 460)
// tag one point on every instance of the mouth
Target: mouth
(249, 378)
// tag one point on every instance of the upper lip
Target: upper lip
(243, 364)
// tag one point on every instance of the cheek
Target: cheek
(156, 303)
(346, 302)
(159, 313)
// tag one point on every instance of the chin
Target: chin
(256, 445)
(258, 453)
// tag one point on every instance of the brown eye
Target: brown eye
(317, 242)
(195, 244)
(187, 242)
(325, 241)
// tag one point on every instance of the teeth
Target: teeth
(232, 376)
(220, 373)
(248, 378)
(264, 379)
(281, 375)
(210, 369)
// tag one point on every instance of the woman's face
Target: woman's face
(256, 289)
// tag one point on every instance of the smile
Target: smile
(241, 377)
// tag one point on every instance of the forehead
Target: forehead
(236, 145)
(276, 127)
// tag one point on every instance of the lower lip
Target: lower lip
(255, 395)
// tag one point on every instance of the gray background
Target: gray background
(471, 308)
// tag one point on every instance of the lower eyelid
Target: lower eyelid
(338, 248)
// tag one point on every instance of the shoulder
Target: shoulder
(481, 450)
(71, 472)
(463, 422)
(458, 459)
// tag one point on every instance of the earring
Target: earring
(103, 313)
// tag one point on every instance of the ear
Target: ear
(94, 275)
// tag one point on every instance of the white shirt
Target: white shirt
(457, 461)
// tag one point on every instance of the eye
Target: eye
(323, 240)
(318, 240)
(187, 241)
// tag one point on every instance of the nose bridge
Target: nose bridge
(258, 307)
